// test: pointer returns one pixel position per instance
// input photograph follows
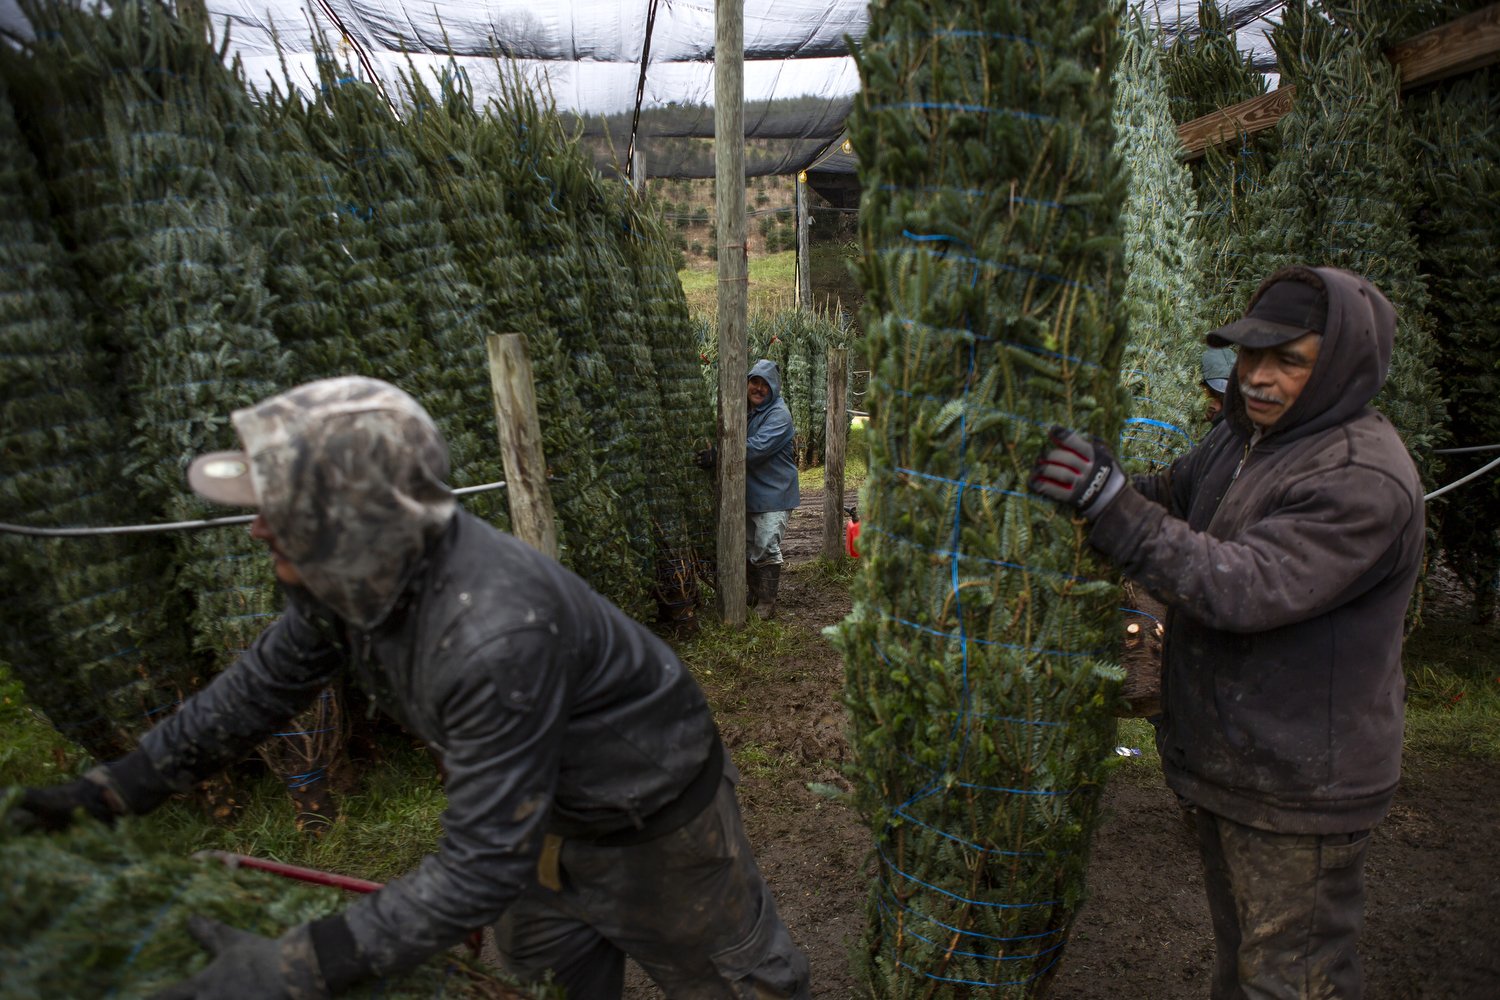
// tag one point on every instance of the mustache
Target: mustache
(1260, 396)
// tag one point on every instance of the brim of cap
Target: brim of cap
(1255, 333)
(224, 478)
(1219, 385)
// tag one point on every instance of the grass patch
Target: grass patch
(1453, 692)
(856, 462)
(383, 830)
(772, 280)
(32, 752)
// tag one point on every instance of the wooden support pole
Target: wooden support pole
(532, 518)
(1458, 47)
(729, 206)
(837, 436)
(804, 262)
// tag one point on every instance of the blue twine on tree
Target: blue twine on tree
(987, 958)
(995, 264)
(971, 846)
(975, 486)
(957, 930)
(962, 899)
(303, 780)
(925, 793)
(146, 935)
(991, 642)
(309, 732)
(1035, 570)
(977, 982)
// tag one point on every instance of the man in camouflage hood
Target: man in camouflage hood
(591, 808)
(1285, 546)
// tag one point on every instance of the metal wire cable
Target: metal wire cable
(149, 529)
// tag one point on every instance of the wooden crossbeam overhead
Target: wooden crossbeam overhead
(1458, 47)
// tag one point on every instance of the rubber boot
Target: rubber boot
(770, 579)
(752, 584)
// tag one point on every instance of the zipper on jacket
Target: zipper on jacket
(1249, 447)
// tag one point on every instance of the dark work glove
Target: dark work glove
(248, 966)
(55, 807)
(130, 785)
(707, 458)
(1077, 471)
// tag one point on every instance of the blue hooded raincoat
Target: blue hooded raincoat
(770, 451)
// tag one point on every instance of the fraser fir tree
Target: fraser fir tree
(98, 911)
(68, 600)
(491, 178)
(1206, 72)
(1459, 234)
(132, 112)
(1343, 193)
(980, 660)
(1164, 263)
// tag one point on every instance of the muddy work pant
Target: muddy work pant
(1286, 910)
(763, 534)
(690, 907)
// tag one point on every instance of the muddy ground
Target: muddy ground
(1433, 916)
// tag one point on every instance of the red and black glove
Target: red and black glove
(1077, 472)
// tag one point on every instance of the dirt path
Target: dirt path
(1433, 925)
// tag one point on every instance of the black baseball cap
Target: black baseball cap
(1283, 311)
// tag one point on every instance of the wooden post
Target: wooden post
(804, 262)
(532, 518)
(837, 430)
(729, 206)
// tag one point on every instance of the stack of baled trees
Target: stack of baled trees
(178, 250)
(980, 681)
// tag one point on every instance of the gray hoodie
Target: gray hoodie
(1287, 588)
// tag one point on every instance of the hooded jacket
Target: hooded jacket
(1286, 562)
(770, 449)
(550, 709)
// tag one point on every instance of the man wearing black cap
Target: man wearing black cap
(1285, 546)
(589, 799)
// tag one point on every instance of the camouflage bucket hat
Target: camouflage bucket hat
(350, 476)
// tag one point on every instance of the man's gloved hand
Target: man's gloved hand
(248, 966)
(128, 786)
(54, 807)
(1077, 471)
(707, 458)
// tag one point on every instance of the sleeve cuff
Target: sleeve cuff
(136, 782)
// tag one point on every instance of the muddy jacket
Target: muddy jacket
(770, 449)
(550, 709)
(1287, 562)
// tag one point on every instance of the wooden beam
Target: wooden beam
(1228, 124)
(1461, 46)
(1458, 47)
(734, 289)
(532, 518)
(836, 429)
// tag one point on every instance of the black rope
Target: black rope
(640, 91)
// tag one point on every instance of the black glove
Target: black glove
(55, 807)
(128, 786)
(1077, 471)
(707, 458)
(248, 966)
